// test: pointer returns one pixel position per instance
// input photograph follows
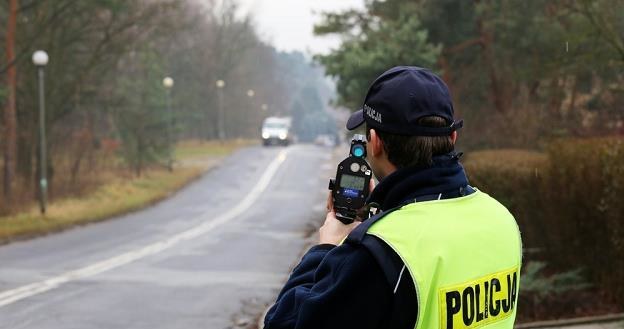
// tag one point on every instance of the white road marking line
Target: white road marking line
(29, 290)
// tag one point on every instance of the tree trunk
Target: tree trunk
(10, 119)
(446, 71)
(84, 140)
(572, 98)
(139, 159)
(496, 87)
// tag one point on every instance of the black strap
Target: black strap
(391, 265)
(454, 193)
(357, 235)
(437, 131)
(385, 256)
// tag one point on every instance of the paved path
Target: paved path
(605, 325)
(612, 325)
(221, 247)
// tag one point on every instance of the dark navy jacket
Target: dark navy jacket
(344, 286)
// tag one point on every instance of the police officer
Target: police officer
(439, 254)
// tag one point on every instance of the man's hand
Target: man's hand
(334, 231)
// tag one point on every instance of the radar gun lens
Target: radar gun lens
(358, 151)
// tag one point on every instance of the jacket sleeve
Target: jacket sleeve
(332, 287)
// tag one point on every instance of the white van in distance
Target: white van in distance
(276, 131)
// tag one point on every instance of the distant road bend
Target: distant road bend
(190, 262)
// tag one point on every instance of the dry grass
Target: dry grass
(193, 149)
(123, 193)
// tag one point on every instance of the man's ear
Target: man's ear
(376, 144)
(454, 137)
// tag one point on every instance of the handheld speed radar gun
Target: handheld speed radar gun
(350, 188)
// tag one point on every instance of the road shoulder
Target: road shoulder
(123, 193)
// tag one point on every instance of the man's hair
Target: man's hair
(415, 151)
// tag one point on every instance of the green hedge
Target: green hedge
(568, 201)
(513, 177)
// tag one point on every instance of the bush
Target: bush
(544, 296)
(583, 192)
(568, 204)
(512, 177)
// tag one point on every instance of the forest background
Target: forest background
(106, 105)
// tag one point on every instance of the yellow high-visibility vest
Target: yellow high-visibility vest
(464, 256)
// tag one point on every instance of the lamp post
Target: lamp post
(251, 93)
(265, 109)
(168, 84)
(40, 59)
(221, 118)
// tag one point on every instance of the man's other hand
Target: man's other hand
(334, 231)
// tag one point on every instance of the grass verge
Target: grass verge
(121, 194)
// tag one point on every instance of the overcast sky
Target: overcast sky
(288, 24)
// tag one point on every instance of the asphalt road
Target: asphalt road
(212, 255)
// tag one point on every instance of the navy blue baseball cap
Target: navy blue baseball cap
(399, 97)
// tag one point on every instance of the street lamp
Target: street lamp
(253, 114)
(221, 118)
(40, 59)
(168, 84)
